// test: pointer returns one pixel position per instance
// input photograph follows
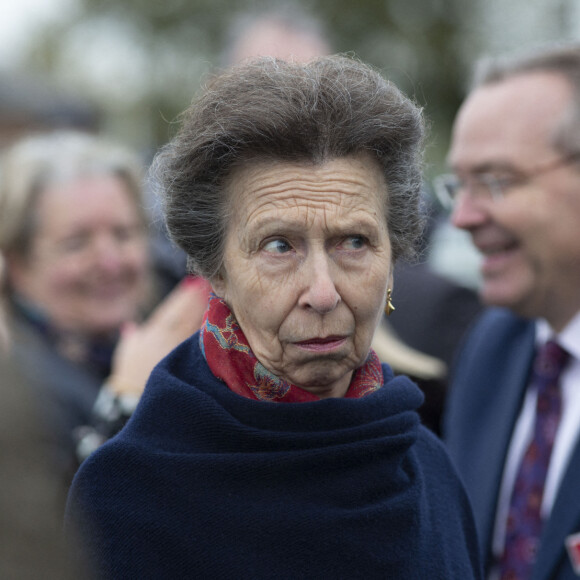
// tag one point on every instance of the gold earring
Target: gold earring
(389, 308)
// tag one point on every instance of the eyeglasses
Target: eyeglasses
(488, 185)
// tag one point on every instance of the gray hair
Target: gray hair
(40, 161)
(558, 58)
(331, 107)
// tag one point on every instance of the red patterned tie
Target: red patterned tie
(524, 524)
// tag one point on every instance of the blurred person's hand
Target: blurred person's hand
(142, 346)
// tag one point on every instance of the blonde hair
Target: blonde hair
(39, 161)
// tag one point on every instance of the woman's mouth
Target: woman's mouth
(110, 291)
(327, 344)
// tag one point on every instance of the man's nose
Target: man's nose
(469, 211)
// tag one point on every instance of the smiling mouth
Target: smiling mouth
(490, 242)
(499, 249)
(110, 291)
(498, 258)
(328, 344)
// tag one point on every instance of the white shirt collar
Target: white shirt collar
(569, 338)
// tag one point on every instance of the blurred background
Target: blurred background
(128, 68)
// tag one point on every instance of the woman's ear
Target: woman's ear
(391, 275)
(17, 269)
(219, 285)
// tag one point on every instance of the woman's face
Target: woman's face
(87, 267)
(306, 266)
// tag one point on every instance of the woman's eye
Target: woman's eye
(277, 247)
(353, 243)
(73, 244)
(127, 233)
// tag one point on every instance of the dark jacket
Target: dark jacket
(63, 391)
(204, 483)
(486, 395)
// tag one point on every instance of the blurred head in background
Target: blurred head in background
(516, 190)
(286, 32)
(73, 232)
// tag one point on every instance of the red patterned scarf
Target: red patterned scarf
(231, 359)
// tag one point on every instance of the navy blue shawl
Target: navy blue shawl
(202, 483)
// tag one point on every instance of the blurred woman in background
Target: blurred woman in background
(73, 235)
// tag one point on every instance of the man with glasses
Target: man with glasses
(513, 417)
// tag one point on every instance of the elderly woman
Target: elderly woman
(73, 239)
(273, 444)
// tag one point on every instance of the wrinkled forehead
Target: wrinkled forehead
(511, 121)
(346, 183)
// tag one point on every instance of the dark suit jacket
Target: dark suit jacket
(63, 392)
(432, 313)
(487, 390)
(31, 494)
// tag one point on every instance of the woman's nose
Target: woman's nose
(320, 293)
(107, 254)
